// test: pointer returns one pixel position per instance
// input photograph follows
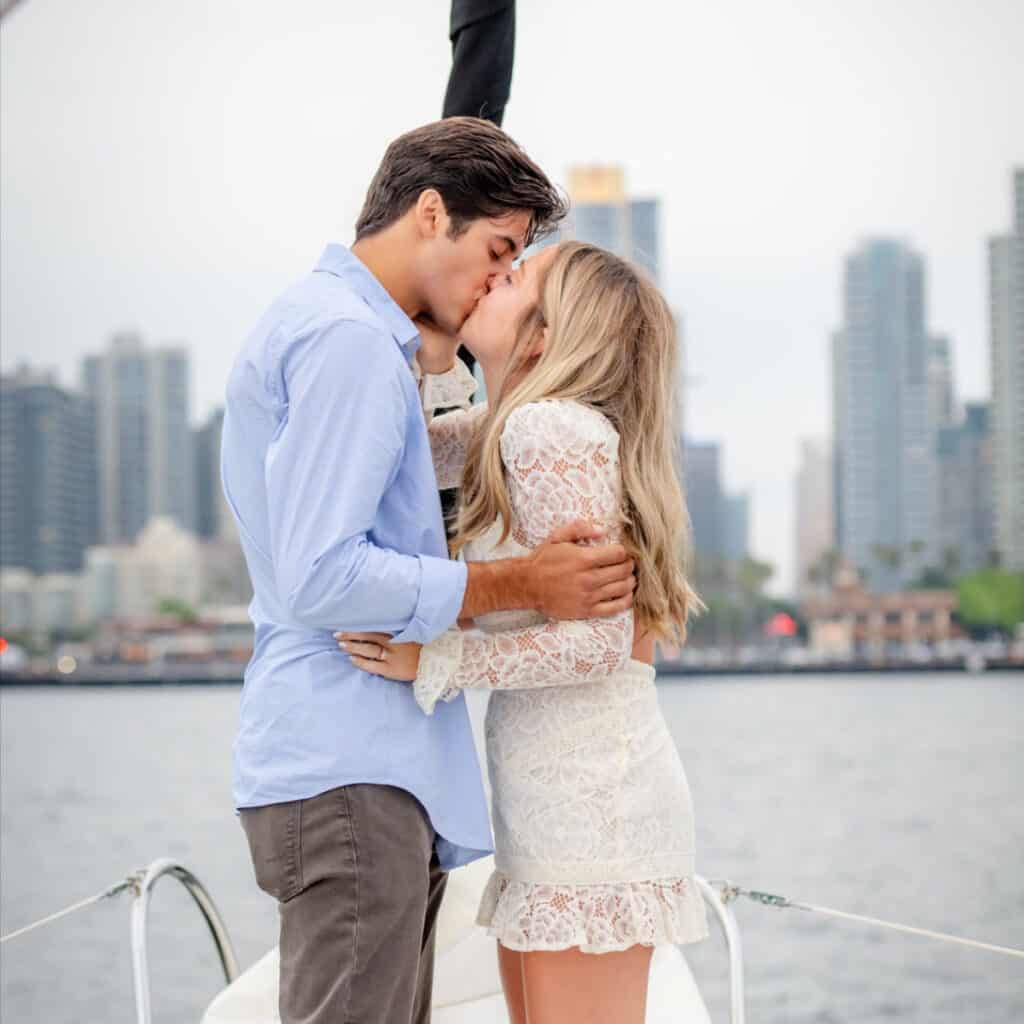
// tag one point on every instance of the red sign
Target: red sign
(781, 624)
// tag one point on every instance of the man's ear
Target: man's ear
(430, 214)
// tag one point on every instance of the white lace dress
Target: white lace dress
(593, 821)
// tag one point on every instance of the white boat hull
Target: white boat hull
(467, 988)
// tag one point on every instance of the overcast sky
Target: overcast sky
(169, 166)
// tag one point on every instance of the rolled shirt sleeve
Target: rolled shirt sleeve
(336, 452)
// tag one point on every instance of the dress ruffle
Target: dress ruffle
(601, 918)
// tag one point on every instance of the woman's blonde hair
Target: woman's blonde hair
(611, 345)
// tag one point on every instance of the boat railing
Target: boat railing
(140, 920)
(718, 895)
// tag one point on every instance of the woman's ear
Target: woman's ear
(540, 344)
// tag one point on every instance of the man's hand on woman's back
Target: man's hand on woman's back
(570, 579)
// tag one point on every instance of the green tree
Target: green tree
(178, 609)
(991, 599)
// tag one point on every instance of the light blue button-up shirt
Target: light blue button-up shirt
(326, 465)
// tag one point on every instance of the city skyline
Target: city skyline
(191, 224)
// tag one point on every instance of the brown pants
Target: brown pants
(358, 887)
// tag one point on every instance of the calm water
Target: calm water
(898, 797)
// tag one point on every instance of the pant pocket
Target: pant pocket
(274, 835)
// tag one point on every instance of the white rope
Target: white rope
(113, 890)
(942, 936)
(730, 892)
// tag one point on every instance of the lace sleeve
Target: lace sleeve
(562, 464)
(449, 434)
(451, 390)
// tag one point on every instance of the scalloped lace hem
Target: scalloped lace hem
(604, 918)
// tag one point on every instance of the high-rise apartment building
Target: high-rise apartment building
(47, 475)
(884, 435)
(1006, 311)
(144, 443)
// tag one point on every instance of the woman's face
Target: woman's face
(490, 330)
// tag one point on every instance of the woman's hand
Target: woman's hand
(375, 653)
(437, 350)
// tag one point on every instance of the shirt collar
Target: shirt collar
(343, 263)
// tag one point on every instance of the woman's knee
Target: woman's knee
(569, 986)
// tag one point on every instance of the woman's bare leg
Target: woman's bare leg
(510, 964)
(570, 987)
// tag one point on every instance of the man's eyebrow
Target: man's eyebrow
(513, 245)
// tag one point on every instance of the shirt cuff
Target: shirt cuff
(442, 589)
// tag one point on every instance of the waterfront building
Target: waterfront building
(885, 476)
(851, 621)
(39, 605)
(144, 447)
(131, 581)
(1006, 313)
(47, 475)
(224, 576)
(17, 602)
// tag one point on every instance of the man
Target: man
(354, 803)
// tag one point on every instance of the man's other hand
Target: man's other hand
(436, 353)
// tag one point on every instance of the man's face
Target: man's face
(458, 272)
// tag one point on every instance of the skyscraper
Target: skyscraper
(884, 436)
(1006, 307)
(942, 405)
(736, 526)
(171, 472)
(213, 518)
(965, 513)
(703, 480)
(602, 213)
(47, 475)
(815, 531)
(144, 445)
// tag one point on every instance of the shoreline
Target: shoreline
(115, 676)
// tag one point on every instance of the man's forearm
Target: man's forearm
(502, 585)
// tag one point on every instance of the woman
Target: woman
(592, 815)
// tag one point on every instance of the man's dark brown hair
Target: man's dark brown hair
(477, 169)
